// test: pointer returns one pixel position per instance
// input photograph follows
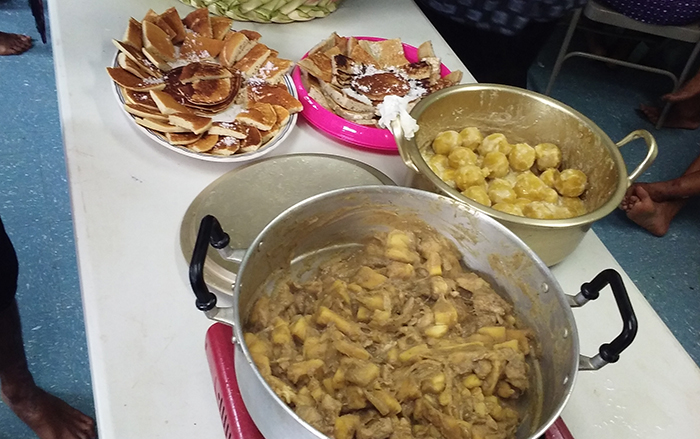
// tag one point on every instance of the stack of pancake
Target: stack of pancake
(351, 77)
(201, 85)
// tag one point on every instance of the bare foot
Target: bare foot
(14, 44)
(689, 90)
(674, 119)
(50, 417)
(645, 212)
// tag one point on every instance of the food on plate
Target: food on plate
(351, 77)
(395, 339)
(201, 85)
(518, 179)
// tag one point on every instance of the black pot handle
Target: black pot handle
(609, 352)
(210, 232)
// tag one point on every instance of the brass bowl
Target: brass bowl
(526, 116)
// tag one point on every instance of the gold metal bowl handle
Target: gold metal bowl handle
(653, 150)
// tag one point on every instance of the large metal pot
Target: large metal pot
(525, 116)
(347, 217)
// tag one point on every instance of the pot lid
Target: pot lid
(247, 198)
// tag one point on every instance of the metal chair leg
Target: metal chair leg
(562, 52)
(681, 80)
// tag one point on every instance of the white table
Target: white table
(145, 337)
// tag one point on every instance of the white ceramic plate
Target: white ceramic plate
(242, 157)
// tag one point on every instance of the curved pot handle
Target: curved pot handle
(653, 150)
(608, 352)
(210, 232)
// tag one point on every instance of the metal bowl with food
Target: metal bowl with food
(318, 231)
(526, 116)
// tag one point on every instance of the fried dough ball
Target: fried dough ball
(529, 186)
(469, 175)
(521, 157)
(496, 163)
(478, 194)
(501, 191)
(522, 202)
(512, 177)
(548, 156)
(549, 195)
(471, 137)
(539, 210)
(446, 141)
(461, 156)
(550, 177)
(574, 204)
(494, 142)
(572, 183)
(510, 208)
(545, 210)
(438, 163)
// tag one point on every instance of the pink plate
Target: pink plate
(379, 139)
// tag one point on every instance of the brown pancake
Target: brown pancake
(220, 27)
(172, 18)
(204, 144)
(133, 82)
(139, 97)
(133, 34)
(196, 47)
(199, 21)
(226, 146)
(182, 138)
(197, 71)
(145, 112)
(275, 95)
(156, 19)
(377, 87)
(137, 56)
(158, 42)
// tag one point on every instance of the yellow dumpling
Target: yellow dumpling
(438, 163)
(549, 195)
(550, 177)
(512, 177)
(496, 163)
(521, 157)
(510, 208)
(494, 142)
(461, 156)
(478, 194)
(446, 141)
(548, 155)
(469, 175)
(529, 186)
(448, 176)
(522, 202)
(539, 210)
(572, 183)
(575, 205)
(471, 137)
(501, 191)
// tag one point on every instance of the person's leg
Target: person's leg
(685, 113)
(48, 416)
(14, 44)
(654, 205)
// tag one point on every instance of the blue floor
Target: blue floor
(35, 207)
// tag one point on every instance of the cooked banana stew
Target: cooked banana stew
(395, 339)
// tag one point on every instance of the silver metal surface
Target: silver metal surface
(525, 116)
(347, 217)
(590, 363)
(246, 199)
